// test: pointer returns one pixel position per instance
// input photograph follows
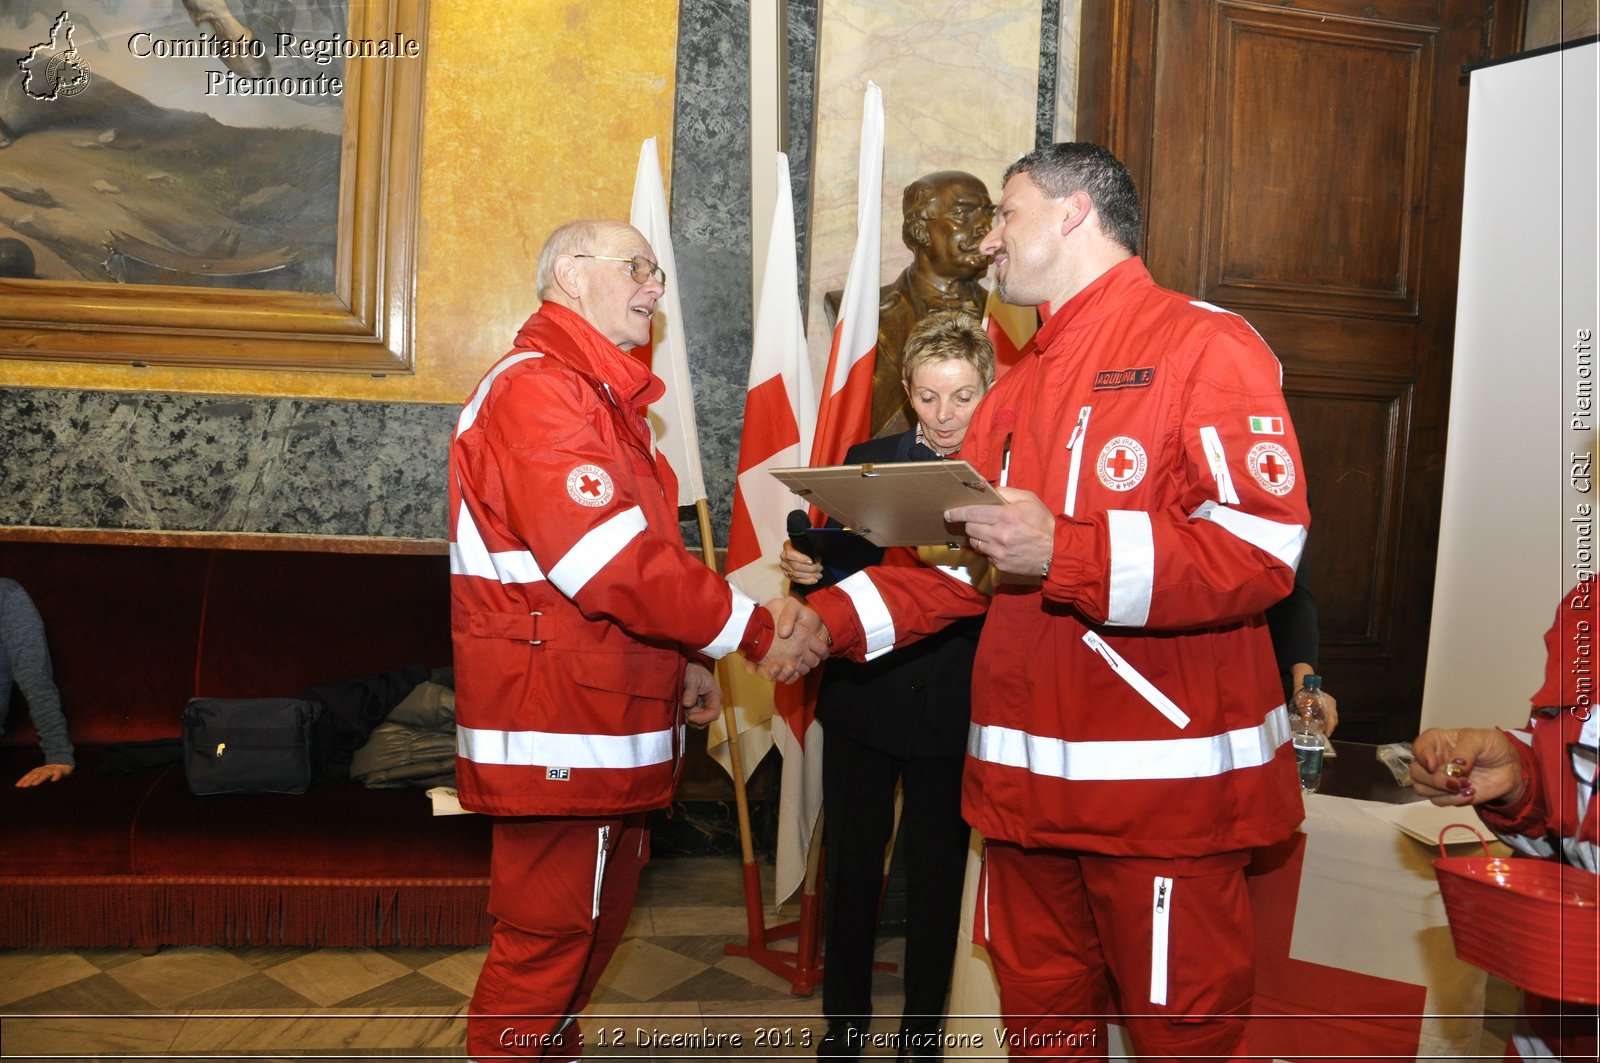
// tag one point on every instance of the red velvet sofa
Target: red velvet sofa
(99, 860)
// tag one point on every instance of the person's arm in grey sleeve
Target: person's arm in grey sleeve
(25, 659)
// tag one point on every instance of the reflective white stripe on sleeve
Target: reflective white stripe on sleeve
(873, 612)
(1282, 541)
(1211, 442)
(1172, 758)
(469, 556)
(469, 412)
(551, 749)
(727, 639)
(1215, 309)
(1539, 847)
(958, 573)
(1133, 567)
(595, 550)
(1135, 679)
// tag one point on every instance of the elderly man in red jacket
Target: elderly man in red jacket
(582, 631)
(1129, 742)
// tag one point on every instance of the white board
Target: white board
(1522, 417)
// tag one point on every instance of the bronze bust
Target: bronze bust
(946, 215)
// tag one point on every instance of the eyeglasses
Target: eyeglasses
(641, 269)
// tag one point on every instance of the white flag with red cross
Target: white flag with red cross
(780, 409)
(672, 415)
(845, 416)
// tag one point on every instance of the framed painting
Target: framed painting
(216, 183)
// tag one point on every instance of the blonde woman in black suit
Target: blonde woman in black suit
(901, 720)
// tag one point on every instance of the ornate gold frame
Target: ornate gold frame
(365, 325)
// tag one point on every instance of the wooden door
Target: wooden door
(1301, 163)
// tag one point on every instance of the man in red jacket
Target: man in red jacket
(582, 631)
(1129, 742)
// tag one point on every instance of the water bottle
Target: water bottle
(1307, 722)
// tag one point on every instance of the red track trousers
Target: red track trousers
(561, 891)
(1165, 946)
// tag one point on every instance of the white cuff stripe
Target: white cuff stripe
(876, 622)
(552, 749)
(958, 573)
(469, 412)
(595, 550)
(1173, 758)
(1133, 567)
(727, 639)
(1282, 541)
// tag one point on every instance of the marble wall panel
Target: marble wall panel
(154, 461)
(960, 81)
(711, 215)
(1049, 42)
(1068, 22)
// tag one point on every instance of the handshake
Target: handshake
(800, 641)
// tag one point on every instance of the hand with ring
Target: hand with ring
(798, 566)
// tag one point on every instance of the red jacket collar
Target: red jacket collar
(1102, 295)
(558, 332)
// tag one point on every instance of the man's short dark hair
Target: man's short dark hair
(1078, 166)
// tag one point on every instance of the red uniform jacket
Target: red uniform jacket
(573, 600)
(1129, 705)
(1556, 814)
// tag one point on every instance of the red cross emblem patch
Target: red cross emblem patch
(1271, 467)
(590, 485)
(1121, 464)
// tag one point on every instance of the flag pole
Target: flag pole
(800, 967)
(741, 800)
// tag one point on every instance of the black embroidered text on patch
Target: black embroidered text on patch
(1114, 379)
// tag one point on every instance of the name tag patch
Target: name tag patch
(558, 774)
(1116, 379)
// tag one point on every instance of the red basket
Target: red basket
(1534, 923)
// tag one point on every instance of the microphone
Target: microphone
(799, 524)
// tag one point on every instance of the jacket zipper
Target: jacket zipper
(1073, 445)
(984, 904)
(600, 868)
(1130, 675)
(1160, 922)
(1212, 443)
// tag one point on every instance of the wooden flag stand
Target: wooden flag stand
(801, 967)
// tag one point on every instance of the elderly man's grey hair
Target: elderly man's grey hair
(586, 236)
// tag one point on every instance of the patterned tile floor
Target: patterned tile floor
(670, 976)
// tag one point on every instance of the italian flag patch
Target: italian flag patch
(1267, 426)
